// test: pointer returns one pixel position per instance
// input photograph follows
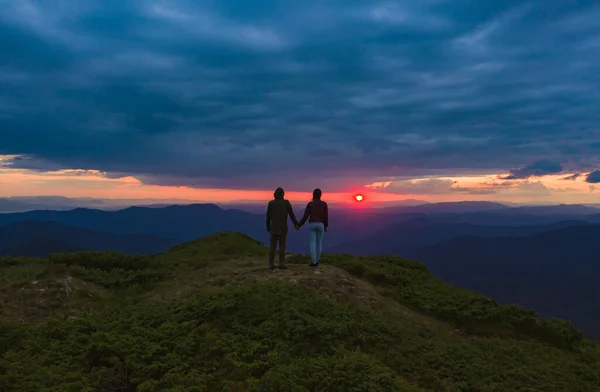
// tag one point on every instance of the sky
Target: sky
(437, 100)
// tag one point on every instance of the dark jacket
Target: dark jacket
(316, 211)
(278, 210)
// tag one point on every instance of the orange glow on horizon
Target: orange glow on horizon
(94, 184)
(78, 184)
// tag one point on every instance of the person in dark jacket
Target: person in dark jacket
(318, 220)
(278, 210)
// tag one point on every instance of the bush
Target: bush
(277, 336)
(112, 269)
(472, 312)
(274, 337)
(102, 260)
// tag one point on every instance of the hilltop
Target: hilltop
(209, 316)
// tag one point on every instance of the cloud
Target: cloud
(479, 40)
(240, 94)
(187, 19)
(407, 15)
(572, 177)
(537, 169)
(420, 187)
(429, 186)
(534, 189)
(593, 177)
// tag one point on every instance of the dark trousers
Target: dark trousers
(275, 238)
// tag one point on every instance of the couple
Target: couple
(278, 210)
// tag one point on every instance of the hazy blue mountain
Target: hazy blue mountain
(554, 272)
(352, 224)
(406, 238)
(61, 203)
(186, 222)
(449, 207)
(38, 239)
(179, 222)
(562, 209)
(512, 217)
(39, 248)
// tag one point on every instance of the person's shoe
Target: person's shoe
(282, 266)
(271, 266)
(313, 264)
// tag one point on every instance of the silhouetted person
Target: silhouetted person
(278, 210)
(318, 220)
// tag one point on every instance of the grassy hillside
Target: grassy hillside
(209, 316)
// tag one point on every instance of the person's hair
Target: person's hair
(279, 192)
(317, 194)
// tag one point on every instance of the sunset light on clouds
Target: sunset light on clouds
(215, 101)
(93, 183)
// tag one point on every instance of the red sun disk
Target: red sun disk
(359, 198)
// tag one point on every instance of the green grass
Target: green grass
(210, 316)
(472, 312)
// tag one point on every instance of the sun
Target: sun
(359, 197)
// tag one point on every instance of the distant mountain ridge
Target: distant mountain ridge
(348, 225)
(450, 207)
(38, 239)
(555, 272)
(176, 221)
(566, 209)
(405, 238)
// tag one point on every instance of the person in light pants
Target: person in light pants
(316, 212)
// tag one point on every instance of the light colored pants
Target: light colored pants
(316, 231)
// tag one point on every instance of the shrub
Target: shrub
(102, 260)
(274, 337)
(473, 312)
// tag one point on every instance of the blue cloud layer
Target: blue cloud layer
(247, 94)
(540, 168)
(593, 177)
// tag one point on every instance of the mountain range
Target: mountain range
(491, 248)
(406, 237)
(39, 239)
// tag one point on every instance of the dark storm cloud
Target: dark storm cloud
(593, 177)
(242, 94)
(537, 169)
